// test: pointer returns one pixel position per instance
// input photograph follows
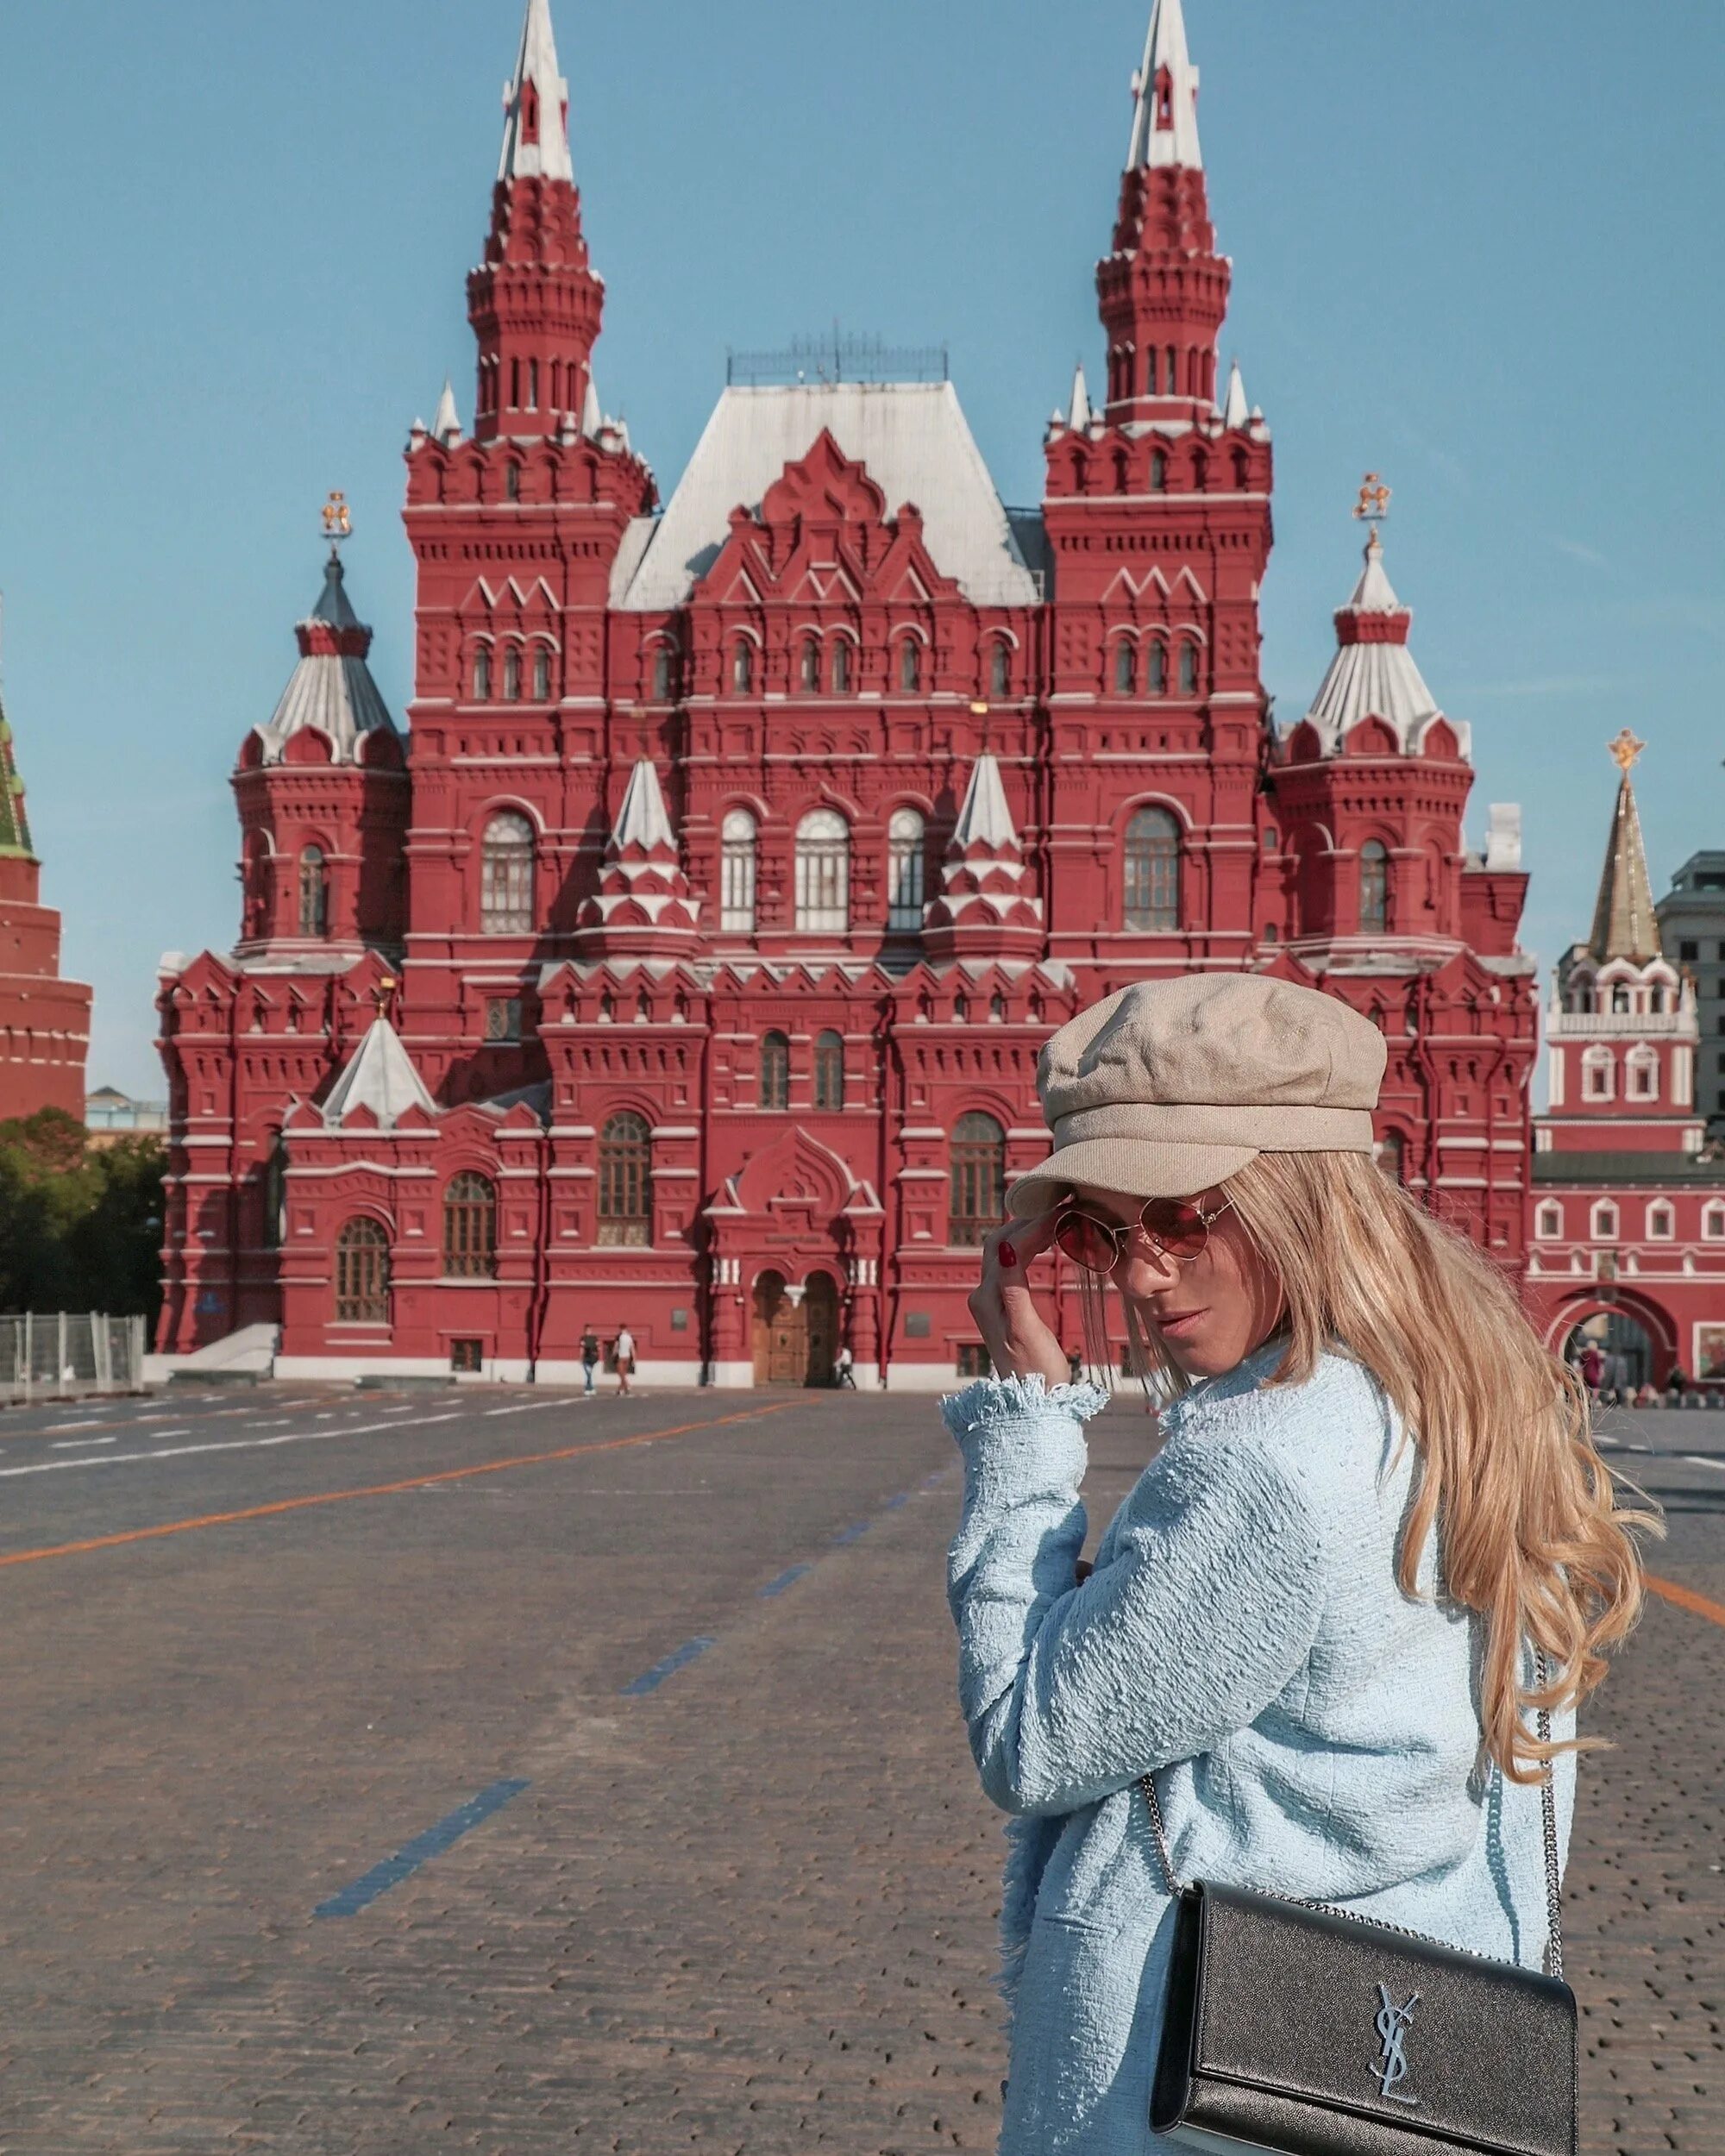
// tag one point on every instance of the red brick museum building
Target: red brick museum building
(684, 959)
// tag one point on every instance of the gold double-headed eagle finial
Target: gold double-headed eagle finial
(384, 995)
(1373, 505)
(338, 521)
(1624, 751)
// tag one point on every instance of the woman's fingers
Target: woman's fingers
(1017, 1338)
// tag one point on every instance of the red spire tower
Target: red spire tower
(1164, 289)
(44, 1021)
(535, 302)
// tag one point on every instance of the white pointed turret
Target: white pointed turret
(536, 129)
(447, 426)
(1079, 417)
(642, 821)
(643, 906)
(985, 819)
(1165, 91)
(984, 909)
(1236, 412)
(381, 1076)
(592, 418)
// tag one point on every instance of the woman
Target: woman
(1328, 1711)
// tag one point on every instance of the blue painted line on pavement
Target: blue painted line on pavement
(892, 1503)
(786, 1579)
(432, 1843)
(940, 1478)
(679, 1658)
(852, 1534)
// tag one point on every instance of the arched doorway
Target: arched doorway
(781, 1333)
(820, 1304)
(1626, 1345)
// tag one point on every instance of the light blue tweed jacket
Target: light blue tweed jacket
(1317, 1731)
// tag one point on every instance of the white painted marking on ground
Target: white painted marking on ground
(1701, 1459)
(227, 1444)
(525, 1407)
(65, 1445)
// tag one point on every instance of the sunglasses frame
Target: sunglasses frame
(1120, 1236)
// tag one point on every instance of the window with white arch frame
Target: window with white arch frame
(1548, 1226)
(1642, 1070)
(823, 873)
(904, 851)
(1603, 1227)
(1597, 1067)
(1713, 1222)
(1661, 1222)
(506, 876)
(737, 842)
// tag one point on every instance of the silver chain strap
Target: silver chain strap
(1548, 1811)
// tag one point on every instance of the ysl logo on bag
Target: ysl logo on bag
(1392, 2062)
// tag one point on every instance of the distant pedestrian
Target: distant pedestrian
(844, 1370)
(590, 1358)
(1677, 1384)
(625, 1360)
(1592, 1366)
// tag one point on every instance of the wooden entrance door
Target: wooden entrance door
(780, 1333)
(820, 1307)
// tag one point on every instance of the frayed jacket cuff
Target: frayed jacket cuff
(1010, 1404)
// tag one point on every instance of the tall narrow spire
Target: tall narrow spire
(1624, 923)
(1165, 95)
(1235, 410)
(536, 102)
(1079, 417)
(14, 825)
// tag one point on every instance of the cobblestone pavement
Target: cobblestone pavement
(737, 1896)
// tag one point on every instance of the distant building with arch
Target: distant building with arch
(692, 967)
(1626, 1234)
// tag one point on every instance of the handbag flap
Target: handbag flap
(1354, 2017)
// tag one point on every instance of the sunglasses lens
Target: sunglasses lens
(1177, 1226)
(1085, 1242)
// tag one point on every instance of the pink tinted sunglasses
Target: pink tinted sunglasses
(1174, 1226)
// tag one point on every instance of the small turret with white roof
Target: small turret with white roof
(643, 906)
(987, 906)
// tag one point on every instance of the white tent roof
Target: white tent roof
(1165, 47)
(381, 1076)
(548, 158)
(985, 818)
(916, 443)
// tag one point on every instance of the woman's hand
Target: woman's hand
(1018, 1339)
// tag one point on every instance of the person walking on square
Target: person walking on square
(1277, 1677)
(625, 1360)
(589, 1357)
(844, 1370)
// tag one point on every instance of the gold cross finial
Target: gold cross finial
(1373, 504)
(338, 522)
(1624, 751)
(384, 995)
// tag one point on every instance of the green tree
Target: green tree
(78, 1229)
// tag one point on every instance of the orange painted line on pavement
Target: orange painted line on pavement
(1686, 1598)
(378, 1489)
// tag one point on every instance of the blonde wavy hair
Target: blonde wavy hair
(1532, 1536)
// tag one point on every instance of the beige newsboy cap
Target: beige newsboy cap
(1169, 1085)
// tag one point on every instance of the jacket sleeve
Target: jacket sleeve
(1207, 1608)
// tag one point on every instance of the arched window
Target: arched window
(979, 1179)
(470, 1228)
(1620, 997)
(910, 664)
(511, 675)
(1125, 670)
(1374, 889)
(776, 1071)
(363, 1273)
(736, 873)
(273, 1194)
(1158, 471)
(482, 674)
(314, 893)
(512, 481)
(742, 667)
(1712, 1224)
(1157, 669)
(999, 668)
(829, 1070)
(1661, 1225)
(506, 876)
(1597, 1069)
(905, 855)
(1188, 669)
(841, 665)
(823, 873)
(808, 671)
(1549, 1225)
(1604, 1222)
(661, 671)
(1644, 1073)
(1152, 871)
(625, 1182)
(541, 672)
(1171, 377)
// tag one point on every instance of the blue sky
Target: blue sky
(1475, 246)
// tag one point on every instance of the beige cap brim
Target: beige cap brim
(1136, 1167)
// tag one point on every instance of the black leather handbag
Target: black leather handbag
(1307, 2031)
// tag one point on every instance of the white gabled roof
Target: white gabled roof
(548, 156)
(381, 1077)
(1177, 142)
(913, 437)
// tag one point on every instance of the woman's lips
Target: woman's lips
(1174, 1325)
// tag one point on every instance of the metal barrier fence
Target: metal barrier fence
(60, 1354)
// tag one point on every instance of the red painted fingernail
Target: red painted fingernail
(1009, 1257)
